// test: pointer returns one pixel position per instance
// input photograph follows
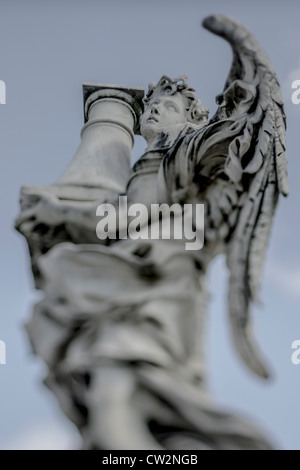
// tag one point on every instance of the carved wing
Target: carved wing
(240, 165)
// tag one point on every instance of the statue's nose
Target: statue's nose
(154, 109)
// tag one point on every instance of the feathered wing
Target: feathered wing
(256, 160)
(237, 166)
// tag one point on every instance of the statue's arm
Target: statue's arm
(44, 214)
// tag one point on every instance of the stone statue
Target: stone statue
(122, 320)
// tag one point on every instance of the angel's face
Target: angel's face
(162, 114)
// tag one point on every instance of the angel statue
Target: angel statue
(122, 320)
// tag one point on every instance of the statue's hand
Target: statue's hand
(39, 211)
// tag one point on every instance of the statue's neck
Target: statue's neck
(167, 137)
(161, 141)
(164, 140)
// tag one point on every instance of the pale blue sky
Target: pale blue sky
(48, 48)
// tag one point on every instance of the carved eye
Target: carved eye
(171, 107)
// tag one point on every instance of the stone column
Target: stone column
(103, 159)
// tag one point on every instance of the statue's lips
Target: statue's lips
(153, 119)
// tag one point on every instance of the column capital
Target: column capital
(133, 96)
